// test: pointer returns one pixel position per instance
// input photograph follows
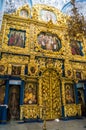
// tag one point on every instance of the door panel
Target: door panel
(51, 94)
(81, 98)
(13, 104)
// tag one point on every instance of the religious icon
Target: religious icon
(47, 16)
(16, 38)
(69, 93)
(49, 41)
(30, 94)
(32, 69)
(78, 74)
(69, 73)
(16, 70)
(24, 13)
(76, 48)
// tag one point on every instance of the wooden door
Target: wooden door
(51, 96)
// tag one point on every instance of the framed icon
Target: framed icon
(17, 38)
(69, 93)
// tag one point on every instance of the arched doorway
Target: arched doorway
(51, 93)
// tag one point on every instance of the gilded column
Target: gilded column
(40, 97)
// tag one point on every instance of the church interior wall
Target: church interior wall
(39, 67)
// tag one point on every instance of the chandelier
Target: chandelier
(76, 23)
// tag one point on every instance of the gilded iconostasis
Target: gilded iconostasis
(40, 66)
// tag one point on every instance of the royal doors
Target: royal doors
(51, 94)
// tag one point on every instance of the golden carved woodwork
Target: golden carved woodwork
(36, 14)
(44, 66)
(65, 81)
(50, 88)
(29, 111)
(32, 68)
(72, 110)
(3, 68)
(23, 15)
(33, 28)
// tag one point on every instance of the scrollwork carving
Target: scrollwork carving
(71, 110)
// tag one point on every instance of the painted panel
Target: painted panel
(76, 47)
(16, 38)
(16, 70)
(69, 93)
(24, 13)
(49, 41)
(48, 15)
(30, 93)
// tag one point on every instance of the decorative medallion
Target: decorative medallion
(2, 69)
(68, 72)
(32, 68)
(24, 13)
(78, 75)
